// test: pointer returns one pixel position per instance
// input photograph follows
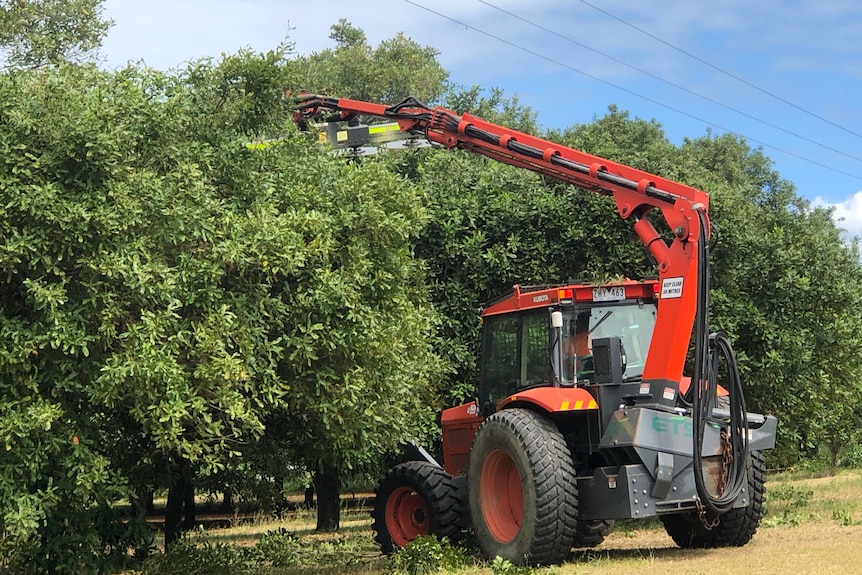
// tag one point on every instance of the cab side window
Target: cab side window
(515, 354)
(536, 357)
(499, 368)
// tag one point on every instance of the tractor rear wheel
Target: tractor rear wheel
(414, 499)
(735, 528)
(523, 495)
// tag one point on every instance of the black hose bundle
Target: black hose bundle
(709, 350)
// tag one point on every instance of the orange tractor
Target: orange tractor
(582, 414)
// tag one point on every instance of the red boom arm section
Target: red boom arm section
(635, 192)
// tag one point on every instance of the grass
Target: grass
(812, 526)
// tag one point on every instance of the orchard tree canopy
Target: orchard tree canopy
(34, 33)
(395, 69)
(168, 286)
(784, 285)
(137, 307)
(787, 288)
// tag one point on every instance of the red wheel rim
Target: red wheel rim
(502, 496)
(406, 516)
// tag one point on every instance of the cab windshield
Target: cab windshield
(632, 322)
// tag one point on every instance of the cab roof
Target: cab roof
(523, 298)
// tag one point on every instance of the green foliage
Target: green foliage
(281, 548)
(851, 458)
(787, 290)
(427, 554)
(813, 465)
(168, 290)
(790, 495)
(275, 550)
(493, 226)
(788, 505)
(500, 566)
(188, 557)
(843, 518)
(494, 107)
(394, 70)
(35, 33)
(361, 366)
(784, 286)
(635, 142)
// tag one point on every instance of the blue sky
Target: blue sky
(784, 74)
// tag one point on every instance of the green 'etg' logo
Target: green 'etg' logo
(675, 425)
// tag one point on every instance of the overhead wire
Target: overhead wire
(671, 83)
(630, 92)
(721, 70)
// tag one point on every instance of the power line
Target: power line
(721, 70)
(674, 84)
(630, 92)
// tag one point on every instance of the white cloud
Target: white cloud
(847, 214)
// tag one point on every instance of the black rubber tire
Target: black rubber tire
(591, 533)
(541, 486)
(441, 499)
(735, 528)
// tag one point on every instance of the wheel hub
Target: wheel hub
(406, 516)
(502, 496)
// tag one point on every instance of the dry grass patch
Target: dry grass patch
(817, 547)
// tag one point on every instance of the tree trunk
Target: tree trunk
(189, 499)
(309, 496)
(174, 514)
(181, 504)
(227, 501)
(141, 503)
(327, 484)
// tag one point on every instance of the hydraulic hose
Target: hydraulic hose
(709, 350)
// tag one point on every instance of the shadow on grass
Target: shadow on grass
(218, 536)
(373, 562)
(377, 565)
(644, 553)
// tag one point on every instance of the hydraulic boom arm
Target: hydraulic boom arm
(681, 262)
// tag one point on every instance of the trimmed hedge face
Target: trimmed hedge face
(165, 289)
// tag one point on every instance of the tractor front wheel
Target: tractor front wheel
(414, 499)
(523, 494)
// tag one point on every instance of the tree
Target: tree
(139, 299)
(362, 368)
(170, 289)
(395, 69)
(36, 33)
(495, 107)
(786, 288)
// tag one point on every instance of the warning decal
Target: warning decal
(671, 288)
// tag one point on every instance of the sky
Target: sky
(784, 74)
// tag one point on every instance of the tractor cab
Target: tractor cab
(564, 336)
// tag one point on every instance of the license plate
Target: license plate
(609, 293)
